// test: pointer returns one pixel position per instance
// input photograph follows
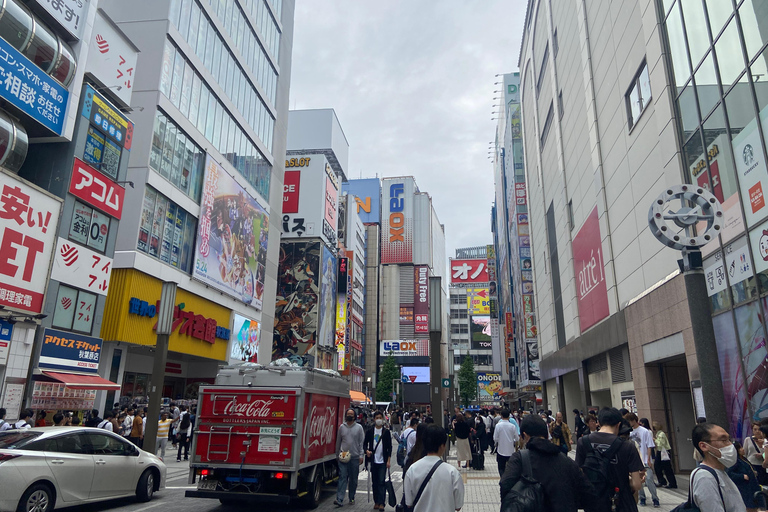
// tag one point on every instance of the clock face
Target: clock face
(685, 217)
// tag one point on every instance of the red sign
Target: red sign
(469, 271)
(590, 276)
(322, 415)
(421, 298)
(291, 191)
(96, 189)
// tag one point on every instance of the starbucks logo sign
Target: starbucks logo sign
(749, 155)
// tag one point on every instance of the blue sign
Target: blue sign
(70, 352)
(367, 194)
(28, 88)
(6, 329)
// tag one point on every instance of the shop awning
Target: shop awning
(78, 381)
(357, 396)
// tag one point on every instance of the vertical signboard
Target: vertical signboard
(96, 189)
(752, 172)
(421, 298)
(291, 184)
(244, 339)
(70, 14)
(397, 220)
(588, 263)
(111, 58)
(328, 291)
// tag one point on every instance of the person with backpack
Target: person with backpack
(430, 485)
(185, 432)
(349, 450)
(24, 421)
(610, 463)
(93, 420)
(553, 481)
(378, 451)
(106, 423)
(407, 440)
(644, 439)
(745, 479)
(4, 425)
(711, 489)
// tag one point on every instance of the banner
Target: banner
(69, 351)
(244, 341)
(327, 319)
(588, 264)
(478, 302)
(421, 298)
(397, 220)
(469, 271)
(231, 248)
(488, 386)
(81, 267)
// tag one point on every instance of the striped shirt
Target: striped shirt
(163, 428)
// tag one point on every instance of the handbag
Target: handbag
(664, 454)
(391, 497)
(402, 507)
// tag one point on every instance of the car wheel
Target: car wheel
(146, 486)
(38, 498)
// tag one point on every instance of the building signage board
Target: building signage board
(489, 386)
(244, 339)
(367, 193)
(421, 298)
(520, 195)
(397, 220)
(187, 323)
(71, 14)
(714, 272)
(310, 199)
(588, 265)
(6, 330)
(404, 348)
(328, 291)
(81, 267)
(469, 271)
(415, 374)
(231, 249)
(107, 118)
(69, 351)
(111, 58)
(28, 88)
(291, 186)
(28, 223)
(737, 262)
(478, 301)
(752, 172)
(532, 357)
(96, 189)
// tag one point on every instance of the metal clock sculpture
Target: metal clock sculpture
(696, 205)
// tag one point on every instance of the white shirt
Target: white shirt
(409, 435)
(106, 425)
(444, 491)
(22, 425)
(505, 436)
(4, 425)
(644, 438)
(378, 456)
(488, 422)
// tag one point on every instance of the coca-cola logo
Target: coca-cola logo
(255, 409)
(319, 427)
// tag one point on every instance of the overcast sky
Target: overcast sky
(412, 84)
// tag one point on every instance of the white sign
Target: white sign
(759, 239)
(269, 439)
(714, 273)
(14, 395)
(753, 175)
(111, 58)
(415, 374)
(81, 267)
(310, 198)
(28, 223)
(738, 264)
(71, 14)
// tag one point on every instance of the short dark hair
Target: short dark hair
(591, 417)
(534, 426)
(57, 418)
(2, 412)
(414, 422)
(434, 438)
(75, 421)
(95, 413)
(702, 432)
(701, 419)
(505, 413)
(575, 411)
(630, 416)
(609, 416)
(28, 413)
(378, 413)
(109, 414)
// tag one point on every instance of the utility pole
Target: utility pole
(435, 336)
(164, 328)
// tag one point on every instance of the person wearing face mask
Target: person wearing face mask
(349, 449)
(711, 488)
(378, 450)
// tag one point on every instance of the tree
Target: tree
(467, 381)
(389, 371)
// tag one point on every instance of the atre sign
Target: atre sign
(588, 265)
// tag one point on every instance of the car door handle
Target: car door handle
(101, 462)
(57, 461)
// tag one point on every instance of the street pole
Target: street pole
(164, 327)
(435, 336)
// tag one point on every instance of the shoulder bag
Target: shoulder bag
(402, 507)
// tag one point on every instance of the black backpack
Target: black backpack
(599, 471)
(185, 422)
(527, 495)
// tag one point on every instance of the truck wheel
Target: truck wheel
(312, 498)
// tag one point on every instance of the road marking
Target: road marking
(142, 509)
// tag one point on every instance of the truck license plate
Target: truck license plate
(208, 485)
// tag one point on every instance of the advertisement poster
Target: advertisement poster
(296, 307)
(752, 172)
(327, 327)
(111, 121)
(80, 267)
(759, 239)
(478, 301)
(589, 264)
(331, 200)
(6, 330)
(69, 351)
(231, 239)
(754, 357)
(488, 386)
(28, 223)
(469, 271)
(480, 332)
(421, 298)
(730, 372)
(397, 220)
(245, 335)
(415, 374)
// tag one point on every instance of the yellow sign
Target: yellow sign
(478, 301)
(119, 325)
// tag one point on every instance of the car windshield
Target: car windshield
(17, 439)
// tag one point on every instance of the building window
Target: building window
(166, 232)
(74, 310)
(547, 125)
(176, 157)
(542, 69)
(89, 227)
(639, 95)
(560, 110)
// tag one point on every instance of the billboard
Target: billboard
(111, 57)
(291, 189)
(532, 356)
(367, 193)
(69, 351)
(327, 319)
(488, 386)
(478, 301)
(310, 199)
(588, 265)
(397, 220)
(480, 332)
(244, 339)
(81, 267)
(415, 374)
(29, 220)
(404, 348)
(296, 303)
(231, 245)
(469, 271)
(531, 331)
(96, 189)
(421, 298)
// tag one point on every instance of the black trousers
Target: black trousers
(502, 462)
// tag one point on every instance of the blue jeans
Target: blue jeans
(378, 476)
(348, 472)
(650, 484)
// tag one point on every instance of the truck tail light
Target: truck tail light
(204, 472)
(279, 476)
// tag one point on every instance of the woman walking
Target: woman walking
(663, 463)
(461, 430)
(753, 447)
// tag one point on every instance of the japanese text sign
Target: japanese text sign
(478, 301)
(96, 189)
(187, 322)
(107, 118)
(469, 271)
(81, 267)
(111, 58)
(71, 14)
(421, 298)
(28, 220)
(588, 264)
(70, 351)
(28, 88)
(520, 197)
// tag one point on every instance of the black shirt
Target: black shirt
(461, 429)
(627, 460)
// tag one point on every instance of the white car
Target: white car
(56, 467)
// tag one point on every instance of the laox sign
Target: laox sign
(396, 217)
(399, 345)
(255, 409)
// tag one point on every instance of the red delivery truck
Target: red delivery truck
(267, 433)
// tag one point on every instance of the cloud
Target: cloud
(412, 84)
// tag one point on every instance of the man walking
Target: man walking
(185, 432)
(711, 488)
(349, 449)
(378, 449)
(163, 426)
(561, 434)
(137, 429)
(505, 437)
(565, 486)
(643, 437)
(443, 488)
(410, 440)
